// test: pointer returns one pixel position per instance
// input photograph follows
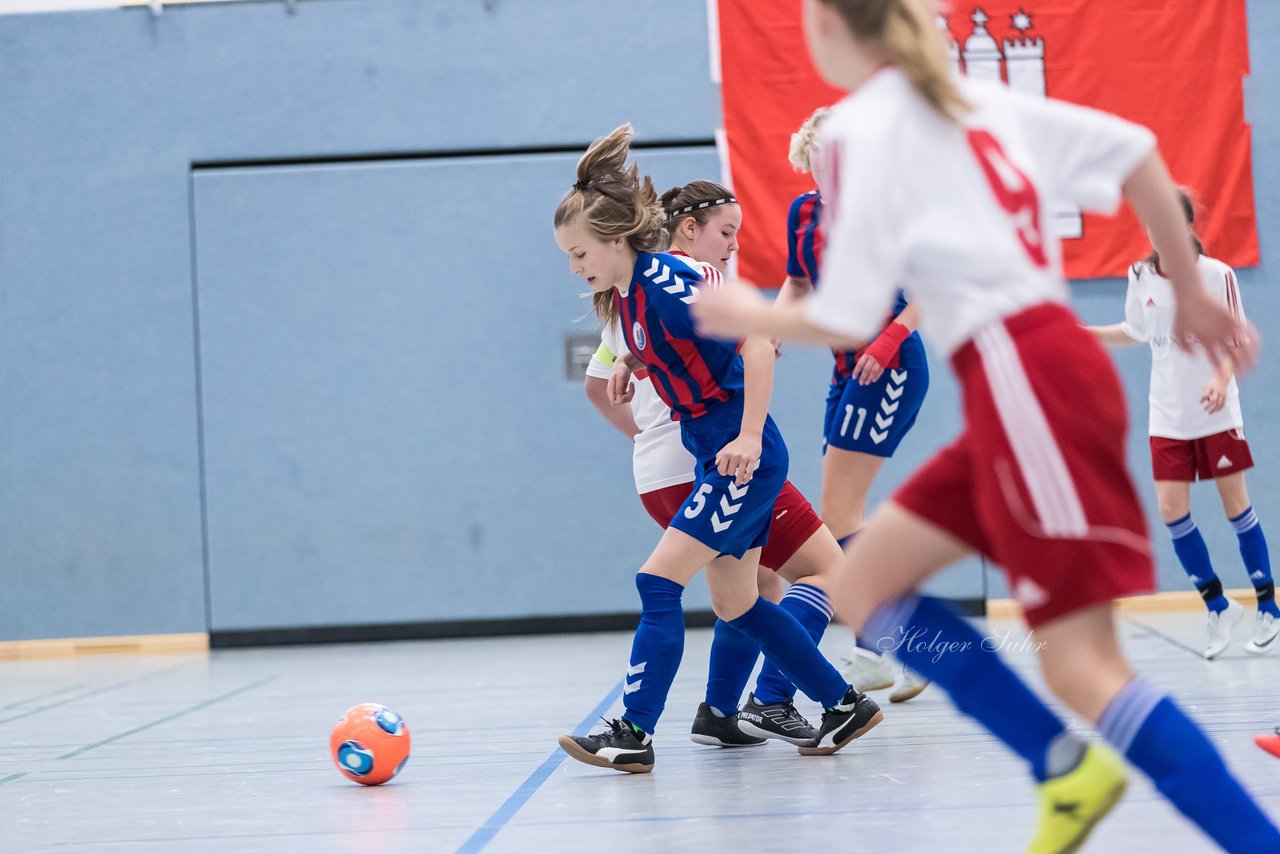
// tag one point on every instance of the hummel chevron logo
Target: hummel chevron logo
(628, 686)
(737, 493)
(892, 392)
(659, 273)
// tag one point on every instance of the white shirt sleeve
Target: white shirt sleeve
(611, 347)
(1086, 155)
(864, 255)
(1135, 324)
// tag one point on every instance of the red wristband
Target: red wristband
(887, 343)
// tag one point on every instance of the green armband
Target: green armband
(604, 355)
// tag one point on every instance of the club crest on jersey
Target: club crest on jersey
(637, 334)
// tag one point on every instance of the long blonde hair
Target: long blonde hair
(907, 31)
(617, 203)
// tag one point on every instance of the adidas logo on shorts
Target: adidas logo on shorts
(1225, 462)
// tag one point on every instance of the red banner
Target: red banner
(1175, 66)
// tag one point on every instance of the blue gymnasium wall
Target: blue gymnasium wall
(364, 359)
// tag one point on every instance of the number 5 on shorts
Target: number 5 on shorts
(699, 501)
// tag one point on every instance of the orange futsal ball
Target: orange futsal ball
(369, 744)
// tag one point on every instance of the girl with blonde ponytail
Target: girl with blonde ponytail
(610, 228)
(943, 188)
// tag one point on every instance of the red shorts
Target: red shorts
(794, 520)
(1037, 480)
(1200, 459)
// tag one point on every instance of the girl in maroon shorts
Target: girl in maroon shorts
(1197, 433)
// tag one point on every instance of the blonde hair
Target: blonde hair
(617, 203)
(802, 141)
(907, 31)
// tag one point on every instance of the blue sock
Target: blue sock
(655, 651)
(1257, 561)
(788, 645)
(733, 657)
(1193, 554)
(1154, 734)
(940, 645)
(811, 609)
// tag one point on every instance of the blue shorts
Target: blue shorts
(873, 419)
(719, 514)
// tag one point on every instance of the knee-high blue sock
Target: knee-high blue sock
(1154, 734)
(785, 642)
(936, 642)
(1257, 561)
(733, 657)
(655, 651)
(811, 609)
(1193, 554)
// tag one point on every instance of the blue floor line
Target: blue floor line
(503, 814)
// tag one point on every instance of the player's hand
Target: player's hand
(621, 389)
(868, 369)
(1200, 321)
(1214, 396)
(740, 458)
(732, 311)
(777, 345)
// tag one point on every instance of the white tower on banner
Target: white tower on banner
(982, 57)
(1021, 62)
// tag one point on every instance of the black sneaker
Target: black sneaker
(852, 717)
(621, 747)
(776, 720)
(720, 731)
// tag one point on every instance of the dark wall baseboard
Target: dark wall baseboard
(440, 629)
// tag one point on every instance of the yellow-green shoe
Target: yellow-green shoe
(1072, 804)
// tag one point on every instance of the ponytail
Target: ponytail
(616, 202)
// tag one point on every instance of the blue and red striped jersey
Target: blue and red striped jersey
(804, 236)
(691, 373)
(804, 252)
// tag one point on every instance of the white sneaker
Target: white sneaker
(867, 671)
(1220, 625)
(911, 685)
(1265, 630)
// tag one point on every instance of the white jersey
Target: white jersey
(957, 215)
(1177, 378)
